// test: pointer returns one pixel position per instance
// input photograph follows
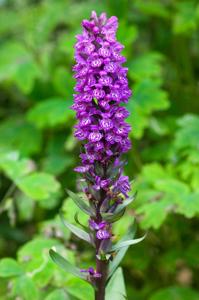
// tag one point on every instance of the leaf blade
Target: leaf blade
(76, 230)
(120, 245)
(80, 203)
(65, 265)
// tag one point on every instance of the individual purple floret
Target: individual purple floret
(103, 234)
(97, 226)
(91, 272)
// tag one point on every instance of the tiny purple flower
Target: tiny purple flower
(106, 124)
(95, 136)
(82, 169)
(91, 272)
(97, 226)
(96, 63)
(103, 234)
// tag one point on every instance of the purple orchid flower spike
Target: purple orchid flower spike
(100, 94)
(101, 88)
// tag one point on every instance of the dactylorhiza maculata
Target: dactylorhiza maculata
(101, 90)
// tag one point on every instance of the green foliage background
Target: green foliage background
(38, 151)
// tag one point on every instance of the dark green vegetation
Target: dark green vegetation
(38, 151)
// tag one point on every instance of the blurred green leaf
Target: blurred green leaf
(39, 186)
(17, 64)
(49, 113)
(17, 134)
(14, 167)
(188, 205)
(57, 163)
(153, 8)
(186, 18)
(148, 98)
(64, 83)
(175, 293)
(145, 66)
(9, 268)
(158, 209)
(34, 259)
(80, 289)
(188, 133)
(25, 287)
(57, 295)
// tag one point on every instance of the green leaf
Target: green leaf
(153, 8)
(80, 289)
(25, 75)
(113, 217)
(49, 113)
(117, 260)
(8, 20)
(70, 209)
(17, 65)
(188, 205)
(14, 167)
(34, 253)
(39, 186)
(129, 234)
(175, 293)
(188, 134)
(57, 295)
(120, 245)
(121, 252)
(76, 230)
(64, 83)
(127, 34)
(125, 203)
(172, 186)
(146, 66)
(9, 268)
(81, 203)
(185, 20)
(116, 287)
(160, 209)
(17, 134)
(25, 207)
(65, 265)
(153, 172)
(34, 258)
(148, 98)
(24, 287)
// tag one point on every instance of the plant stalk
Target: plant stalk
(101, 265)
(102, 268)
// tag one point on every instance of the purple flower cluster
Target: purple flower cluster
(101, 89)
